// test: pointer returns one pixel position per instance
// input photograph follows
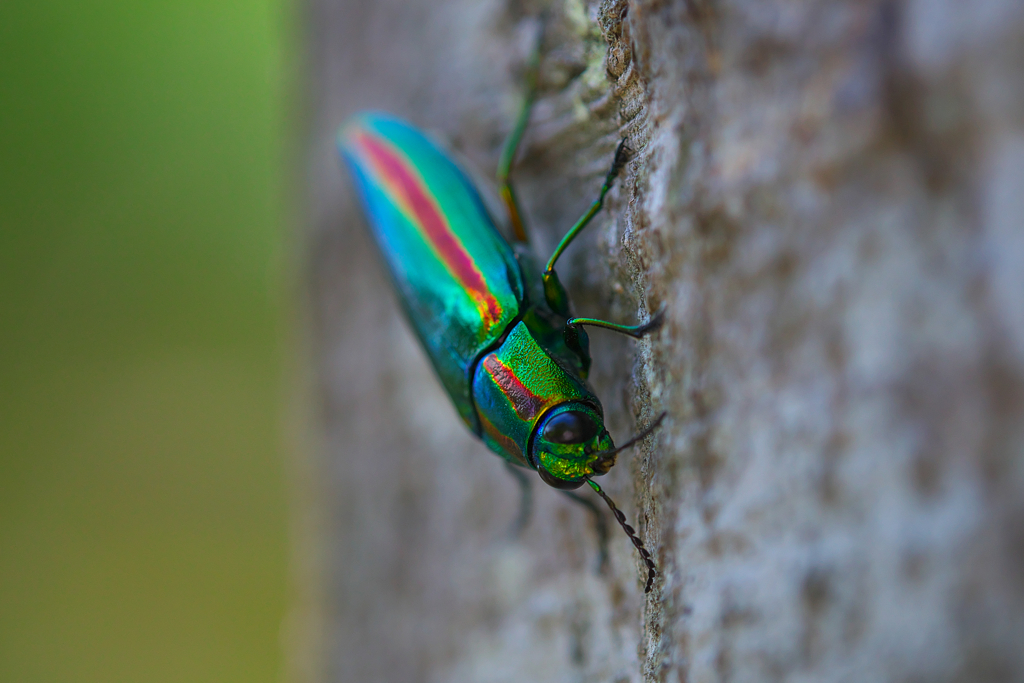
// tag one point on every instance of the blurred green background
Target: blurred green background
(142, 340)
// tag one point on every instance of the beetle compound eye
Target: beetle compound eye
(557, 483)
(569, 427)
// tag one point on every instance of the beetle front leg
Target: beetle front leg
(635, 331)
(575, 334)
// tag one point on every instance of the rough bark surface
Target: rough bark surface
(827, 201)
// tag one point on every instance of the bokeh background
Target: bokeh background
(144, 270)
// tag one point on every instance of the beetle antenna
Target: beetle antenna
(652, 571)
(639, 437)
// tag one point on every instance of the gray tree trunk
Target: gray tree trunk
(827, 198)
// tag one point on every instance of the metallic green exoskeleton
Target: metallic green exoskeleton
(497, 328)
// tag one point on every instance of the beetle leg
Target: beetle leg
(574, 326)
(622, 153)
(525, 501)
(600, 526)
(508, 153)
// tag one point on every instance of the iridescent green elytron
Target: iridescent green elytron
(496, 327)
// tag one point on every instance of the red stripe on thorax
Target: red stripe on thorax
(503, 440)
(401, 179)
(526, 403)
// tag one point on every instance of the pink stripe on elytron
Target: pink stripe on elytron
(526, 403)
(409, 191)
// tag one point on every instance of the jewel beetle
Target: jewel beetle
(497, 328)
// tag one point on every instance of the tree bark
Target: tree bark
(826, 199)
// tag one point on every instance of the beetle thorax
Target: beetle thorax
(515, 387)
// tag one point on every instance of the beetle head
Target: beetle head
(572, 444)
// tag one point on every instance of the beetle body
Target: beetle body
(478, 306)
